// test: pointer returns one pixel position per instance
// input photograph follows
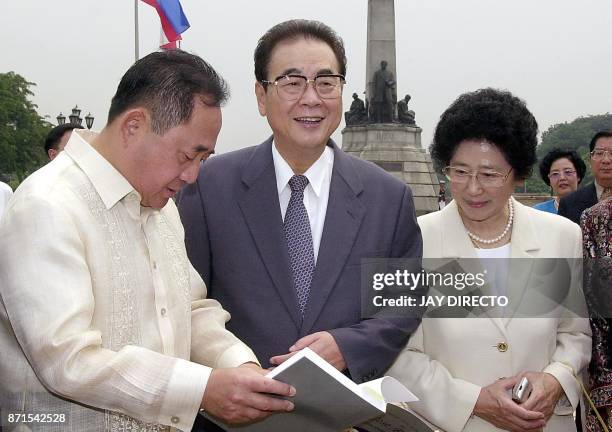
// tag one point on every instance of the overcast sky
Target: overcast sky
(555, 54)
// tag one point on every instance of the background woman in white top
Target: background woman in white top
(5, 195)
(463, 369)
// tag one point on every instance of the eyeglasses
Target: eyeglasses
(556, 175)
(292, 87)
(599, 154)
(488, 179)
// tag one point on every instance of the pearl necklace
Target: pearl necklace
(502, 235)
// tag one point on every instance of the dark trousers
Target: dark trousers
(202, 424)
(578, 419)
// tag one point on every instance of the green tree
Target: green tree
(22, 130)
(575, 135)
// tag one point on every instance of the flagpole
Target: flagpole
(136, 42)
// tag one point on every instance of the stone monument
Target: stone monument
(390, 141)
(383, 96)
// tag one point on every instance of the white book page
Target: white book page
(367, 395)
(389, 390)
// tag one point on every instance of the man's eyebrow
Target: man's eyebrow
(290, 71)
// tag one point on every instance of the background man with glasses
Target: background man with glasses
(575, 203)
(278, 230)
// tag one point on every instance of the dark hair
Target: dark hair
(493, 115)
(606, 133)
(56, 134)
(166, 83)
(556, 154)
(294, 29)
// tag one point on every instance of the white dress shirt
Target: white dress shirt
(100, 304)
(316, 193)
(599, 190)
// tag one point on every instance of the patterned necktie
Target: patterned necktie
(299, 240)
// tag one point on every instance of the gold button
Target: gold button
(175, 419)
(502, 347)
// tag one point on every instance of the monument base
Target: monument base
(396, 148)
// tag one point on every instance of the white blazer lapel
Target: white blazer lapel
(455, 241)
(524, 247)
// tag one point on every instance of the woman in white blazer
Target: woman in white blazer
(463, 369)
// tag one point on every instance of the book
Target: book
(328, 401)
(398, 418)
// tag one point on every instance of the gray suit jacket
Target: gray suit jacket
(234, 236)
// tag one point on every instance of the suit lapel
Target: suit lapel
(589, 198)
(261, 210)
(344, 215)
(585, 197)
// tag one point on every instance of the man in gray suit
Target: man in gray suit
(278, 230)
(600, 148)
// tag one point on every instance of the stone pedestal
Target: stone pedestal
(397, 149)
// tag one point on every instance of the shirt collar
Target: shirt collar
(598, 190)
(315, 174)
(108, 182)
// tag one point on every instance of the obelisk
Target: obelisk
(393, 146)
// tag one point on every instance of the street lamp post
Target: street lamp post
(89, 120)
(75, 118)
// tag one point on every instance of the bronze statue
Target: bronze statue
(405, 115)
(357, 114)
(383, 95)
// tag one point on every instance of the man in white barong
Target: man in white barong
(104, 325)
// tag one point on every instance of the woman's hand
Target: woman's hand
(545, 394)
(496, 406)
